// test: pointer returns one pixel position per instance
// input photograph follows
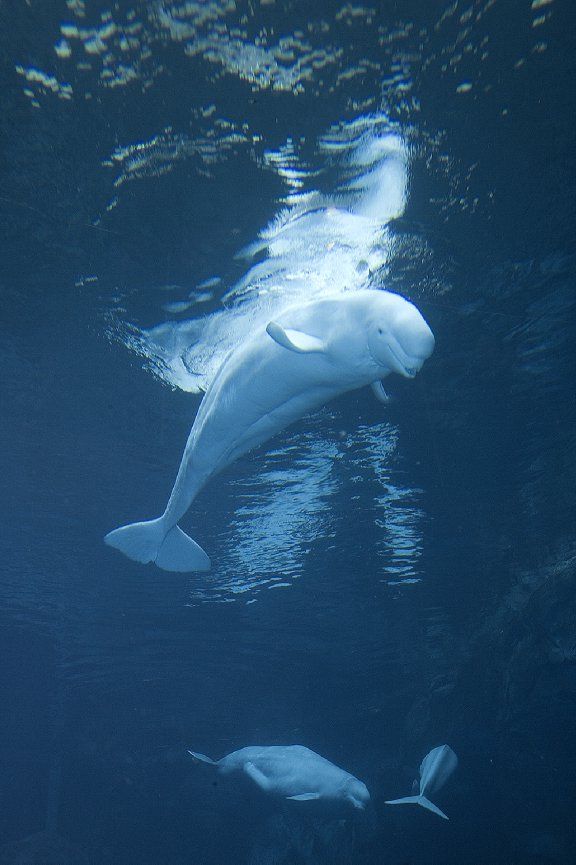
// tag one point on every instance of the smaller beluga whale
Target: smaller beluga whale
(308, 355)
(292, 772)
(435, 769)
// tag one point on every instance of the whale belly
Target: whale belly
(260, 391)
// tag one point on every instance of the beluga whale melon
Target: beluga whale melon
(293, 772)
(435, 769)
(305, 357)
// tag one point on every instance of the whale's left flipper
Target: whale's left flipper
(295, 340)
(149, 542)
(379, 392)
(418, 800)
(304, 797)
(257, 776)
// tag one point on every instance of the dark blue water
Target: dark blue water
(386, 578)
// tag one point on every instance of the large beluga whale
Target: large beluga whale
(308, 355)
(435, 769)
(293, 772)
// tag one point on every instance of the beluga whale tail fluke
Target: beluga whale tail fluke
(202, 758)
(171, 549)
(418, 800)
(435, 769)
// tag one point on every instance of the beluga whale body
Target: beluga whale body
(435, 769)
(293, 772)
(302, 359)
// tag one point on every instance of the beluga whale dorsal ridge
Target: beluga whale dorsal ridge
(305, 357)
(435, 769)
(292, 772)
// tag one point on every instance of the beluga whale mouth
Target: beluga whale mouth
(410, 368)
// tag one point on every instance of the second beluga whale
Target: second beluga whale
(294, 772)
(435, 769)
(305, 357)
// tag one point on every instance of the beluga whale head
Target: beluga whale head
(398, 337)
(356, 793)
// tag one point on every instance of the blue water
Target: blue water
(386, 578)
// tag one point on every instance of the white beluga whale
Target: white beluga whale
(293, 772)
(435, 769)
(305, 357)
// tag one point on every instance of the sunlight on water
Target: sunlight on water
(319, 244)
(331, 234)
(121, 46)
(397, 514)
(282, 509)
(294, 501)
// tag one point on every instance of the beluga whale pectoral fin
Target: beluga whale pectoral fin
(257, 776)
(379, 391)
(304, 797)
(295, 340)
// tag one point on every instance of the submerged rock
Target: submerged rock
(510, 714)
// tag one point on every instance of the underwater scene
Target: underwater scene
(288, 440)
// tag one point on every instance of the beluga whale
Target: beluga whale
(305, 357)
(293, 772)
(435, 769)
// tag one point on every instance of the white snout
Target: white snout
(359, 795)
(411, 343)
